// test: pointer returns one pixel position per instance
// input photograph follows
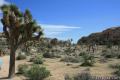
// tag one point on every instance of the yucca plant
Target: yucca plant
(88, 60)
(19, 27)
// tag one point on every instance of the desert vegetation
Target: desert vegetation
(33, 57)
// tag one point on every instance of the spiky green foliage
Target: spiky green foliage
(17, 26)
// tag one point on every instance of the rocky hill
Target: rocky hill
(108, 36)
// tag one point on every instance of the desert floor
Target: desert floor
(59, 69)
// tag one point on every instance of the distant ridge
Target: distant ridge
(108, 36)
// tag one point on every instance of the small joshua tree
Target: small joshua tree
(88, 60)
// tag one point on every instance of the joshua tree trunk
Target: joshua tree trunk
(12, 63)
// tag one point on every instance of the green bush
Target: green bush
(88, 60)
(67, 77)
(108, 56)
(51, 55)
(70, 59)
(115, 66)
(80, 76)
(38, 60)
(110, 53)
(117, 69)
(48, 55)
(107, 53)
(37, 73)
(117, 72)
(21, 57)
(118, 56)
(32, 59)
(103, 60)
(22, 68)
(82, 54)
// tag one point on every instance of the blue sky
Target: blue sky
(65, 19)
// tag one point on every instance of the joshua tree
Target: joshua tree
(88, 60)
(18, 28)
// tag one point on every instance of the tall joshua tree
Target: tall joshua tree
(18, 28)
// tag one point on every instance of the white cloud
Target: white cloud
(57, 30)
(2, 2)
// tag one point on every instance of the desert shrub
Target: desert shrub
(102, 60)
(48, 55)
(22, 68)
(109, 45)
(38, 59)
(82, 54)
(117, 72)
(21, 56)
(32, 59)
(104, 51)
(118, 56)
(80, 76)
(107, 53)
(67, 77)
(70, 59)
(117, 69)
(74, 54)
(108, 56)
(88, 60)
(57, 56)
(51, 55)
(37, 73)
(115, 66)
(110, 53)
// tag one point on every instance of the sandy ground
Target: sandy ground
(5, 66)
(5, 69)
(59, 69)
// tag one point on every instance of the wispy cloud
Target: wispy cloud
(57, 30)
(2, 2)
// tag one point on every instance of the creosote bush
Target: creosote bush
(37, 73)
(51, 55)
(79, 76)
(111, 53)
(118, 56)
(38, 59)
(67, 77)
(117, 69)
(22, 68)
(70, 59)
(21, 56)
(82, 54)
